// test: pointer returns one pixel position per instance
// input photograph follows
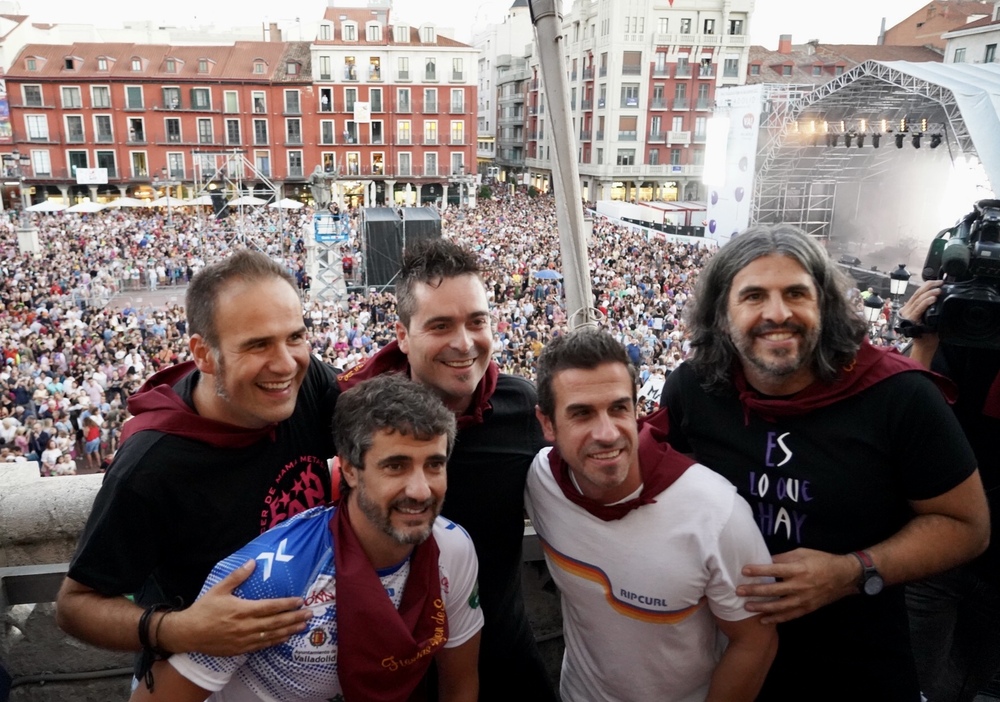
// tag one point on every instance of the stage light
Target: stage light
(902, 125)
(935, 140)
(861, 140)
(923, 125)
(899, 140)
(847, 139)
(875, 139)
(832, 139)
(916, 140)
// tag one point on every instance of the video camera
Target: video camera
(967, 258)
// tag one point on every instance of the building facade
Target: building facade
(642, 78)
(926, 26)
(975, 42)
(384, 113)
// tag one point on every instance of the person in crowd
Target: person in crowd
(955, 615)
(443, 341)
(92, 442)
(645, 546)
(389, 584)
(220, 449)
(855, 468)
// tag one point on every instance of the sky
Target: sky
(846, 22)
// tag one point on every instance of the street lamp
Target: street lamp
(166, 183)
(897, 282)
(20, 164)
(873, 308)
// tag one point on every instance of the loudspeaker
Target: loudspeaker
(383, 244)
(219, 205)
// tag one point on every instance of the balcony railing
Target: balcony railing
(600, 135)
(430, 108)
(682, 72)
(703, 104)
(657, 137)
(706, 71)
(588, 73)
(601, 102)
(630, 102)
(661, 71)
(603, 71)
(657, 104)
(628, 136)
(679, 138)
(681, 104)
(457, 108)
(586, 135)
(457, 76)
(105, 138)
(586, 104)
(631, 70)
(350, 73)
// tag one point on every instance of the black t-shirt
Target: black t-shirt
(836, 479)
(486, 476)
(171, 508)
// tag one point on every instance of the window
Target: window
(262, 161)
(457, 101)
(133, 97)
(102, 64)
(625, 157)
(259, 102)
(735, 26)
(295, 164)
(32, 65)
(205, 131)
(291, 68)
(202, 65)
(374, 68)
(402, 100)
(403, 68)
(709, 26)
(106, 159)
(260, 131)
(102, 129)
(405, 164)
(326, 131)
(627, 128)
(683, 67)
(201, 99)
(755, 69)
(378, 160)
(786, 70)
(457, 163)
(292, 105)
(32, 95)
(74, 129)
(677, 124)
(630, 95)
(731, 68)
(324, 68)
(231, 102)
(170, 65)
(686, 25)
(172, 98)
(232, 131)
(350, 69)
(350, 97)
(373, 32)
(41, 164)
(816, 70)
(293, 130)
(325, 32)
(403, 132)
(172, 126)
(600, 156)
(329, 161)
(375, 99)
(136, 130)
(175, 164)
(700, 127)
(376, 132)
(353, 163)
(675, 157)
(838, 70)
(349, 31)
(401, 34)
(662, 25)
(71, 98)
(631, 63)
(430, 100)
(140, 167)
(457, 132)
(428, 35)
(959, 56)
(136, 64)
(77, 159)
(457, 70)
(326, 99)
(100, 96)
(430, 69)
(430, 164)
(431, 132)
(991, 53)
(653, 158)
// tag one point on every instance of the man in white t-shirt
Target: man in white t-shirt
(645, 545)
(390, 584)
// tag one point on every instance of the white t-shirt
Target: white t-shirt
(639, 593)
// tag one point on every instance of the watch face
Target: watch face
(874, 585)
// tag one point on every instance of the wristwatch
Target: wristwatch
(870, 582)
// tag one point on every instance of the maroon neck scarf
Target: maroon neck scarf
(659, 465)
(991, 408)
(384, 653)
(871, 365)
(156, 405)
(391, 360)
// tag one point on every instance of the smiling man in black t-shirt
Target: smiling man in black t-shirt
(856, 471)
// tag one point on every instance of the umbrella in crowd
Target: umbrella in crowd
(286, 204)
(547, 274)
(201, 200)
(86, 207)
(167, 201)
(47, 206)
(128, 202)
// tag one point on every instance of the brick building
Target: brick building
(925, 26)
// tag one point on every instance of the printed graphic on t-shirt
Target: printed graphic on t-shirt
(776, 499)
(297, 487)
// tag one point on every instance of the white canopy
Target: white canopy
(47, 206)
(87, 206)
(167, 201)
(247, 200)
(202, 200)
(128, 202)
(286, 204)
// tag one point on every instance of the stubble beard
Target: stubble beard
(383, 519)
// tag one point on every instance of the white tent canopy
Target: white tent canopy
(85, 207)
(247, 200)
(202, 200)
(286, 204)
(128, 202)
(47, 206)
(166, 201)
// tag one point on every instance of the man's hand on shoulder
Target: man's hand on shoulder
(222, 624)
(805, 580)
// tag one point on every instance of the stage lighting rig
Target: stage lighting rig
(935, 140)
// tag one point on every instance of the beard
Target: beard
(779, 363)
(383, 518)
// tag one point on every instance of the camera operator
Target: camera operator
(955, 616)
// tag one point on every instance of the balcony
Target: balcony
(533, 84)
(295, 172)
(403, 76)
(703, 104)
(457, 141)
(457, 76)
(293, 140)
(631, 135)
(404, 140)
(586, 135)
(105, 138)
(430, 108)
(699, 137)
(656, 137)
(430, 76)
(351, 73)
(572, 75)
(430, 140)
(75, 138)
(33, 105)
(681, 104)
(682, 71)
(678, 138)
(601, 102)
(586, 104)
(658, 104)
(661, 71)
(375, 73)
(533, 110)
(403, 106)
(730, 73)
(457, 108)
(630, 102)
(602, 72)
(707, 71)
(588, 73)
(631, 70)
(600, 135)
